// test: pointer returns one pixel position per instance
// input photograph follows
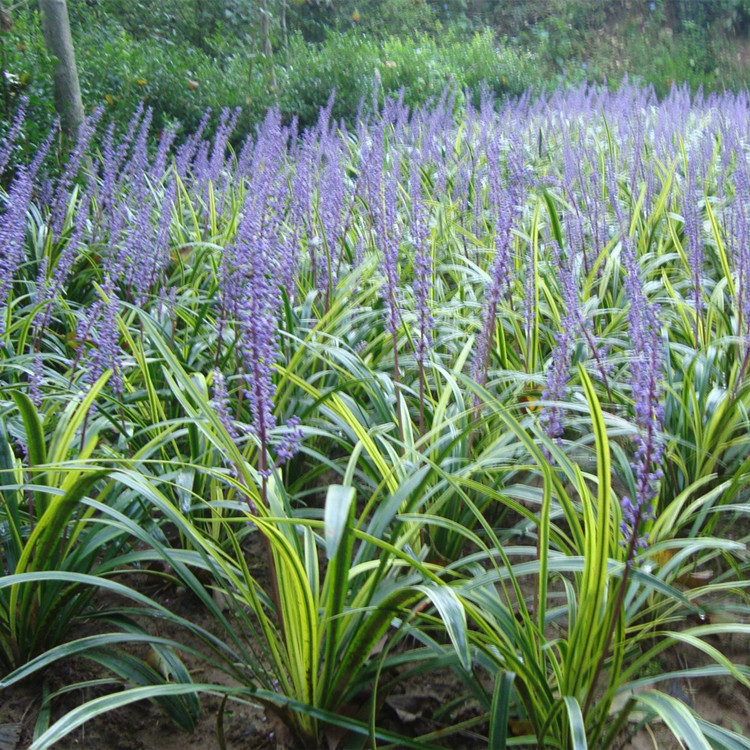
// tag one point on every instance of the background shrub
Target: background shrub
(195, 55)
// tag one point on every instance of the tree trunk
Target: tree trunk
(6, 25)
(206, 13)
(59, 43)
(282, 23)
(265, 27)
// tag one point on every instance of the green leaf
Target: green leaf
(677, 716)
(36, 446)
(37, 553)
(366, 635)
(453, 615)
(339, 500)
(576, 723)
(81, 714)
(555, 226)
(34, 441)
(500, 711)
(10, 498)
(184, 710)
(73, 419)
(722, 738)
(338, 519)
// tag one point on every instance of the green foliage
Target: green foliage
(194, 21)
(424, 70)
(377, 19)
(686, 57)
(118, 68)
(38, 617)
(57, 552)
(197, 54)
(345, 63)
(729, 15)
(26, 71)
(422, 67)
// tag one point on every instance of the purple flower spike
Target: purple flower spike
(13, 226)
(557, 377)
(420, 234)
(646, 375)
(6, 147)
(259, 345)
(102, 329)
(36, 379)
(382, 188)
(12, 234)
(290, 441)
(496, 288)
(60, 201)
(693, 240)
(220, 402)
(250, 279)
(68, 255)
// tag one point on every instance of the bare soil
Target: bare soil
(417, 706)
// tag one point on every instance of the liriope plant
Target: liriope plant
(306, 643)
(60, 545)
(566, 630)
(43, 530)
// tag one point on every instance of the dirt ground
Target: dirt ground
(720, 701)
(412, 710)
(143, 725)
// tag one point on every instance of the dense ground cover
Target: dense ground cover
(437, 392)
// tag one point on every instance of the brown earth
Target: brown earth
(416, 707)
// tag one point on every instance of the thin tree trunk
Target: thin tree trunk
(6, 26)
(282, 21)
(265, 27)
(59, 43)
(205, 14)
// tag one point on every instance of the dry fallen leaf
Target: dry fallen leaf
(520, 727)
(10, 736)
(691, 579)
